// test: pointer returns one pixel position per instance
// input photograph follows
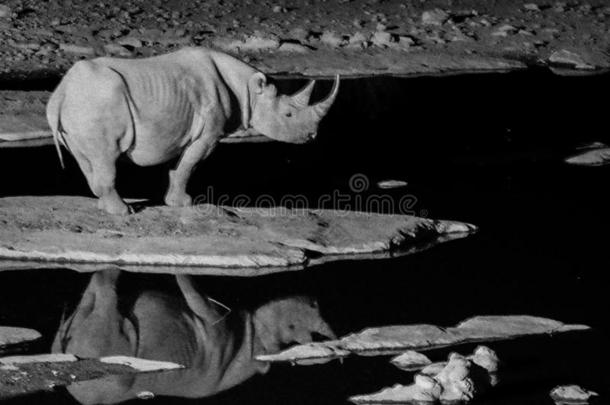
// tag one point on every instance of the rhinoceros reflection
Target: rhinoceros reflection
(184, 327)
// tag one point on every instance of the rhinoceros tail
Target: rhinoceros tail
(54, 119)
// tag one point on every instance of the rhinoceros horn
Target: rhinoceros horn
(301, 97)
(320, 109)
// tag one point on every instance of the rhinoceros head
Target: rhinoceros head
(287, 118)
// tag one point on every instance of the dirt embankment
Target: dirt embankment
(312, 37)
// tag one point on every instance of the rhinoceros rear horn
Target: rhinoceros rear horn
(320, 109)
(301, 97)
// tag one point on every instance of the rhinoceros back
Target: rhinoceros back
(172, 96)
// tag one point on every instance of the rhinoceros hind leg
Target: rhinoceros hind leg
(198, 150)
(103, 187)
(101, 175)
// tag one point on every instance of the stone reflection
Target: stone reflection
(181, 325)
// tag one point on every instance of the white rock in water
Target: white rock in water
(411, 360)
(571, 394)
(398, 394)
(388, 184)
(486, 358)
(565, 57)
(455, 379)
(434, 368)
(595, 154)
(429, 388)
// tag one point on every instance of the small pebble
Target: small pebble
(358, 40)
(5, 11)
(332, 39)
(504, 31)
(130, 41)
(382, 39)
(531, 7)
(389, 184)
(116, 49)
(77, 49)
(434, 17)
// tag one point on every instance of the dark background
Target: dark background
(485, 149)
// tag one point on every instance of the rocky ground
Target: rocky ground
(312, 37)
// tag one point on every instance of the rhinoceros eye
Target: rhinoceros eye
(288, 114)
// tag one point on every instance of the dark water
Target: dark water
(482, 149)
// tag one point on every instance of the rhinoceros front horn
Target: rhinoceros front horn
(320, 109)
(301, 97)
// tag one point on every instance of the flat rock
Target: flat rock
(12, 336)
(595, 154)
(62, 229)
(389, 339)
(27, 374)
(395, 339)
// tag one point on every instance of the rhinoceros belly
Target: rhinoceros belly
(157, 142)
(164, 117)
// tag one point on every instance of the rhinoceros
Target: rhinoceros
(179, 324)
(178, 104)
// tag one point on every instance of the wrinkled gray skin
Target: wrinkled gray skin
(178, 104)
(217, 349)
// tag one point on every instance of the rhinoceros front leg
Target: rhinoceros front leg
(197, 151)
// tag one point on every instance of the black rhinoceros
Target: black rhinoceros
(157, 108)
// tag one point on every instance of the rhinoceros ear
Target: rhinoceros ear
(256, 85)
